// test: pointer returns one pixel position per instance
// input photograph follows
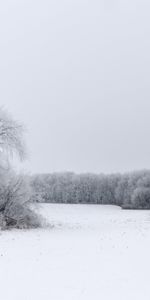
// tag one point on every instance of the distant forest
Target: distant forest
(19, 191)
(130, 190)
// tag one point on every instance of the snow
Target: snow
(91, 253)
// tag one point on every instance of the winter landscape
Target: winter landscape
(92, 252)
(74, 150)
(59, 241)
(71, 236)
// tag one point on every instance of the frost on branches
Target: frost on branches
(15, 192)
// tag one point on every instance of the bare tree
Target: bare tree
(15, 195)
(11, 135)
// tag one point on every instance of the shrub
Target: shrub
(16, 210)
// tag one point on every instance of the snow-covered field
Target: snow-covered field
(91, 253)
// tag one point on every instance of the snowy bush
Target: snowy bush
(141, 198)
(16, 207)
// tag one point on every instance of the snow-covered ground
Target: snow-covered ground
(91, 253)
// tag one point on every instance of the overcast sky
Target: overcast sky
(77, 73)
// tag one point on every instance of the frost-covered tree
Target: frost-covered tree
(11, 135)
(15, 193)
(141, 198)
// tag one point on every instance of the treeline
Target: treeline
(131, 190)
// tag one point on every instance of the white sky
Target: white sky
(77, 73)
